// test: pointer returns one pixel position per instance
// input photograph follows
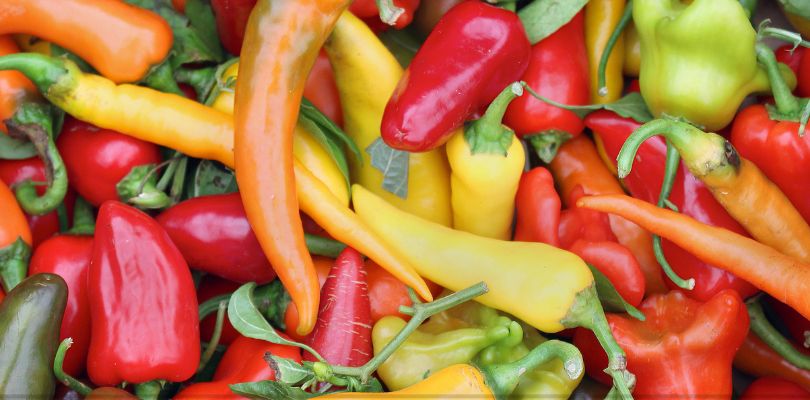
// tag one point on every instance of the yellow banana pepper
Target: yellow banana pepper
(632, 51)
(601, 18)
(486, 161)
(366, 74)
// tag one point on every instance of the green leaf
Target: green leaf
(201, 16)
(273, 300)
(332, 148)
(310, 112)
(393, 164)
(271, 390)
(541, 18)
(631, 106)
(288, 371)
(211, 178)
(610, 298)
(15, 149)
(798, 7)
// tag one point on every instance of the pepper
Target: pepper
(454, 259)
(601, 18)
(538, 208)
(578, 223)
(30, 316)
(679, 334)
(368, 8)
(15, 240)
(15, 88)
(799, 22)
(772, 387)
(139, 284)
(793, 59)
(366, 74)
(632, 51)
(558, 69)
(758, 359)
(781, 276)
(474, 52)
(231, 17)
(98, 31)
(486, 161)
(429, 13)
(797, 326)
(736, 183)
(578, 164)
(689, 194)
(209, 287)
(617, 263)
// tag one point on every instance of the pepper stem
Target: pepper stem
(786, 102)
(488, 134)
(62, 376)
(43, 70)
(389, 13)
(504, 378)
(614, 37)
(212, 345)
(768, 333)
(14, 263)
(83, 221)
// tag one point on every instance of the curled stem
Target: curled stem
(768, 333)
(62, 376)
(215, 337)
(614, 37)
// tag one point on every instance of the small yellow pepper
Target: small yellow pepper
(601, 18)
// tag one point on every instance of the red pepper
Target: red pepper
(96, 158)
(231, 17)
(689, 194)
(803, 76)
(143, 305)
(790, 57)
(537, 206)
(69, 257)
(582, 224)
(558, 70)
(368, 9)
(213, 234)
(209, 287)
(342, 334)
(322, 90)
(242, 362)
(758, 359)
(617, 263)
(683, 349)
(474, 52)
(773, 388)
(797, 325)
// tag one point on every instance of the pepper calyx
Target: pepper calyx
(488, 135)
(546, 144)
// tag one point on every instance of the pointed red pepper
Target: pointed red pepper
(368, 9)
(537, 206)
(617, 263)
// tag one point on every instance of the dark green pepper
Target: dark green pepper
(30, 318)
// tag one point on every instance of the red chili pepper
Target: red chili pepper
(209, 287)
(773, 388)
(474, 52)
(689, 194)
(69, 257)
(96, 158)
(342, 334)
(368, 8)
(143, 305)
(790, 57)
(242, 362)
(558, 70)
(537, 206)
(617, 263)
(322, 90)
(213, 234)
(683, 349)
(758, 359)
(231, 17)
(581, 224)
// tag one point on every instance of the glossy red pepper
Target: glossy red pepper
(368, 9)
(211, 286)
(242, 362)
(96, 159)
(322, 90)
(773, 388)
(803, 76)
(231, 17)
(581, 224)
(537, 206)
(143, 306)
(617, 263)
(213, 234)
(683, 349)
(790, 57)
(69, 257)
(689, 194)
(474, 52)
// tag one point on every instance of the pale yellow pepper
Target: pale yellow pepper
(601, 18)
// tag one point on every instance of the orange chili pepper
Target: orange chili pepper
(757, 358)
(578, 164)
(14, 86)
(783, 277)
(15, 240)
(119, 40)
(281, 43)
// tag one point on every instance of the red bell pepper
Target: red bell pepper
(97, 159)
(368, 9)
(537, 206)
(617, 263)
(143, 305)
(209, 287)
(242, 362)
(689, 194)
(683, 349)
(474, 52)
(773, 388)
(214, 235)
(558, 70)
(69, 257)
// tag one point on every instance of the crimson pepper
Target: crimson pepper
(244, 361)
(97, 159)
(472, 54)
(558, 70)
(231, 17)
(684, 348)
(772, 388)
(212, 286)
(617, 263)
(368, 9)
(689, 194)
(582, 224)
(321, 89)
(791, 57)
(214, 235)
(537, 206)
(143, 307)
(803, 76)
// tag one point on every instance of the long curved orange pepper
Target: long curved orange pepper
(119, 40)
(578, 164)
(282, 40)
(783, 277)
(14, 86)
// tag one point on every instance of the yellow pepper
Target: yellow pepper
(601, 18)
(486, 161)
(366, 74)
(632, 51)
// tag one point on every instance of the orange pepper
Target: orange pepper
(119, 40)
(14, 86)
(14, 225)
(281, 43)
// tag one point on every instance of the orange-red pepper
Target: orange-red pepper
(757, 358)
(14, 86)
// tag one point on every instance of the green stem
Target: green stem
(168, 174)
(488, 134)
(63, 377)
(43, 70)
(389, 13)
(149, 390)
(208, 307)
(211, 348)
(139, 188)
(768, 333)
(83, 221)
(161, 78)
(14, 263)
(785, 35)
(786, 102)
(614, 37)
(201, 79)
(178, 180)
(504, 378)
(422, 311)
(322, 246)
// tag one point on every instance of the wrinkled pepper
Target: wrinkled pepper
(537, 206)
(441, 76)
(15, 88)
(601, 18)
(99, 31)
(683, 349)
(366, 74)
(134, 258)
(30, 317)
(486, 162)
(15, 240)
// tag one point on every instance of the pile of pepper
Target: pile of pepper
(404, 199)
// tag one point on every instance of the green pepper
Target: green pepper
(30, 318)
(698, 61)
